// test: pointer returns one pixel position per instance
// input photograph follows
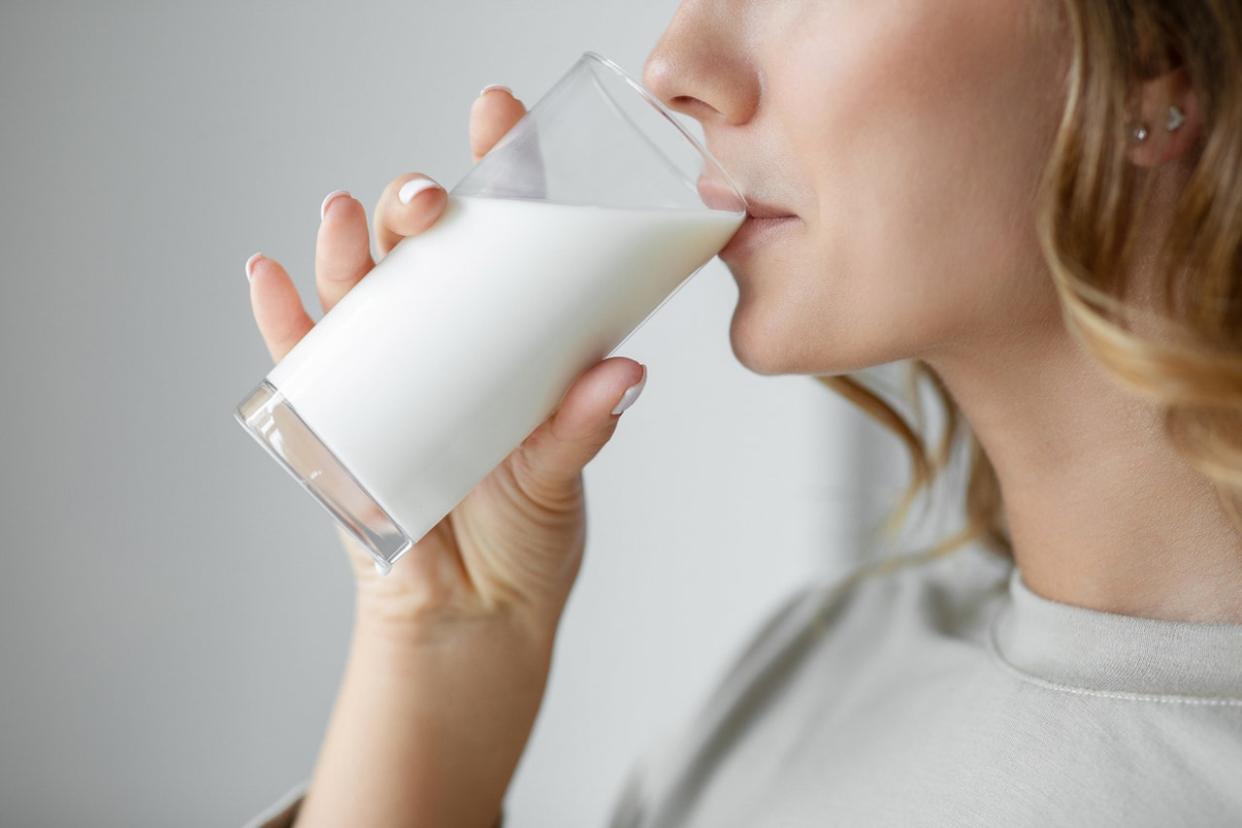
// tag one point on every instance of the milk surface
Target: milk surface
(463, 339)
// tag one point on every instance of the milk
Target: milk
(464, 338)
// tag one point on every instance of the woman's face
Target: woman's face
(906, 137)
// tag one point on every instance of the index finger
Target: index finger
(492, 114)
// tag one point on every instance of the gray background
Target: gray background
(175, 610)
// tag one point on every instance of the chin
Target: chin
(757, 345)
(771, 343)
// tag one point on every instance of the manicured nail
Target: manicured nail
(323, 206)
(492, 86)
(250, 265)
(413, 187)
(631, 394)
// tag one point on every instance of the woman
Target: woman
(1039, 203)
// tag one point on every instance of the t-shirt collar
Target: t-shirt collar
(1089, 649)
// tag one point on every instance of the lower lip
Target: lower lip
(753, 234)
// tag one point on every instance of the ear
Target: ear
(1153, 101)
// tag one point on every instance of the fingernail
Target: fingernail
(413, 187)
(323, 206)
(492, 86)
(250, 265)
(631, 394)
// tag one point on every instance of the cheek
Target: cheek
(922, 128)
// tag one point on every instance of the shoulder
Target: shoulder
(909, 592)
(943, 595)
(845, 614)
(882, 611)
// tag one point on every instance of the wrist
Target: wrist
(409, 638)
(407, 621)
(431, 719)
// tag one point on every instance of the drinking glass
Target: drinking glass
(571, 232)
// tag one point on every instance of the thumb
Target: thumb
(550, 460)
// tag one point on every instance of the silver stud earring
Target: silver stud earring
(1177, 119)
(1140, 133)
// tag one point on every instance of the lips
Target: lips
(762, 218)
(720, 196)
(754, 232)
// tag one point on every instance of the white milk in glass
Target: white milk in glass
(464, 338)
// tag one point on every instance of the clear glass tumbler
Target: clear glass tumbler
(561, 242)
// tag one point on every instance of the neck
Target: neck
(1102, 511)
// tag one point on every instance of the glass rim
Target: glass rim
(669, 116)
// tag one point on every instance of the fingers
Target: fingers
(548, 462)
(277, 308)
(492, 114)
(342, 248)
(409, 205)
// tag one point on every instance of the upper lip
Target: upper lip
(716, 193)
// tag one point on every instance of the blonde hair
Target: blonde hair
(1093, 203)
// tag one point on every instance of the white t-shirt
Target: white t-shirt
(946, 693)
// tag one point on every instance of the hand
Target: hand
(513, 547)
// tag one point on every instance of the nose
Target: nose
(699, 67)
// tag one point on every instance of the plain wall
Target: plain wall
(175, 609)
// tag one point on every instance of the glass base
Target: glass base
(271, 420)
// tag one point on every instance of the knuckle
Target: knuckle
(541, 487)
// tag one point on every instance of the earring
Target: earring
(1140, 132)
(1176, 119)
